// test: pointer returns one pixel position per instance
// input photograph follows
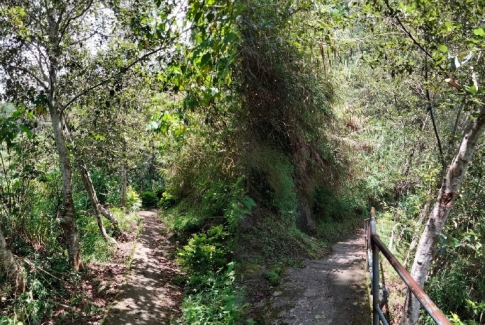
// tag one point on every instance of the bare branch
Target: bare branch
(70, 19)
(40, 57)
(123, 70)
(410, 35)
(30, 73)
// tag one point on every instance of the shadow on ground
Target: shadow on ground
(330, 291)
(149, 297)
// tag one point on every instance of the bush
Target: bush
(210, 297)
(273, 277)
(133, 201)
(205, 253)
(168, 200)
(149, 200)
(216, 304)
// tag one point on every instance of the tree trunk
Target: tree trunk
(89, 187)
(98, 208)
(124, 185)
(414, 242)
(442, 207)
(67, 217)
(10, 267)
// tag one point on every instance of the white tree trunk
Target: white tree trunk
(67, 216)
(414, 242)
(442, 207)
(10, 267)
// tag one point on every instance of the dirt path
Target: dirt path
(149, 295)
(330, 291)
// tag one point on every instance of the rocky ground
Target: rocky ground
(330, 291)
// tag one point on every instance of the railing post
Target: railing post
(375, 245)
(375, 271)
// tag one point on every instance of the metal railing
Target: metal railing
(373, 246)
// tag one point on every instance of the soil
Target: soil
(330, 291)
(88, 297)
(149, 295)
(143, 294)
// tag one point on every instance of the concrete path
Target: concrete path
(331, 291)
(149, 297)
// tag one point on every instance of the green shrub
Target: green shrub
(215, 304)
(273, 178)
(133, 201)
(149, 200)
(205, 253)
(168, 200)
(273, 277)
(210, 297)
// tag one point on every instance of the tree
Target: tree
(52, 56)
(446, 43)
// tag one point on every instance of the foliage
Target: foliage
(462, 243)
(264, 109)
(149, 200)
(438, 50)
(261, 148)
(133, 201)
(215, 304)
(204, 254)
(273, 277)
(32, 306)
(168, 200)
(273, 179)
(210, 275)
(93, 247)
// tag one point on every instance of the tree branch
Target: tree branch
(430, 108)
(70, 19)
(30, 73)
(122, 70)
(409, 34)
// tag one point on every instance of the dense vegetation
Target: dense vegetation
(262, 130)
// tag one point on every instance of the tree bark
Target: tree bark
(414, 242)
(98, 208)
(124, 185)
(11, 268)
(442, 207)
(93, 197)
(67, 217)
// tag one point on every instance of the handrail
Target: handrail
(374, 244)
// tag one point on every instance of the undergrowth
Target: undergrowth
(49, 279)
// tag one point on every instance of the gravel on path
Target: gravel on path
(330, 291)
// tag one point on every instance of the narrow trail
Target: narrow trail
(149, 296)
(330, 291)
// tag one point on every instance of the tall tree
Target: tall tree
(447, 38)
(52, 55)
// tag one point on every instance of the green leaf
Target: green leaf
(472, 89)
(443, 48)
(204, 61)
(479, 31)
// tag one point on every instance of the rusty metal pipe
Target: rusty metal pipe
(418, 292)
